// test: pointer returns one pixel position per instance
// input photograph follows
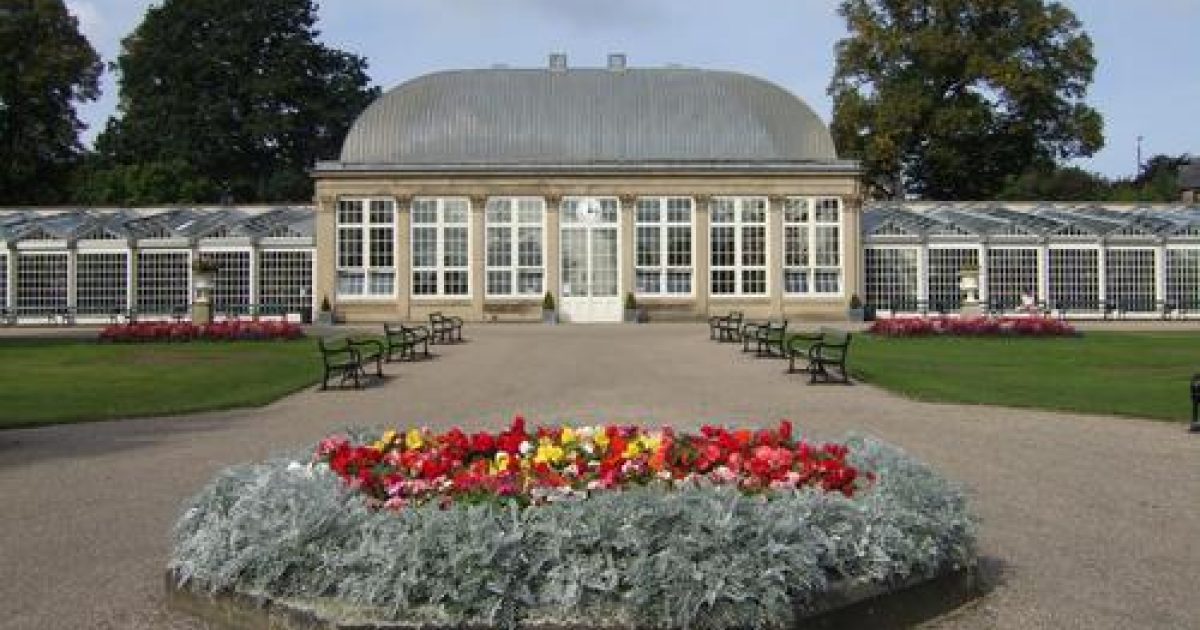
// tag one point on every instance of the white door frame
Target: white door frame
(588, 308)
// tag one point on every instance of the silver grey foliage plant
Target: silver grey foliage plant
(704, 557)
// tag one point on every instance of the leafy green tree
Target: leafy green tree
(241, 91)
(46, 67)
(145, 183)
(949, 99)
(1056, 184)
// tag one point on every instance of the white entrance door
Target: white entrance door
(590, 260)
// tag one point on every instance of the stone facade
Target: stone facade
(699, 186)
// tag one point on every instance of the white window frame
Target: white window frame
(739, 226)
(513, 226)
(664, 268)
(129, 271)
(440, 267)
(309, 293)
(366, 269)
(810, 267)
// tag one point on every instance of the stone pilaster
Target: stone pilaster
(552, 259)
(325, 275)
(403, 256)
(701, 240)
(775, 253)
(853, 257)
(626, 243)
(478, 255)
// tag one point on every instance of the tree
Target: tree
(241, 91)
(949, 99)
(146, 183)
(46, 67)
(1157, 182)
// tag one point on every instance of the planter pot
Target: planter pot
(631, 316)
(868, 313)
(856, 314)
(325, 318)
(643, 315)
(549, 316)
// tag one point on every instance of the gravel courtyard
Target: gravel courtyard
(1088, 522)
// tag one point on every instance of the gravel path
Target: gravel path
(1088, 522)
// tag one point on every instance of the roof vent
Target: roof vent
(616, 62)
(558, 62)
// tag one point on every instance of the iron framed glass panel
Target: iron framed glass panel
(738, 242)
(663, 246)
(812, 246)
(1130, 279)
(1074, 279)
(231, 284)
(101, 282)
(441, 247)
(164, 282)
(892, 278)
(1011, 272)
(285, 279)
(41, 285)
(3, 280)
(366, 247)
(1183, 278)
(945, 273)
(515, 236)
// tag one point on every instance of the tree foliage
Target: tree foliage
(1157, 182)
(46, 67)
(242, 92)
(951, 98)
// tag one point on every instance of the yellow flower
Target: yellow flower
(601, 439)
(651, 442)
(568, 436)
(500, 463)
(633, 449)
(548, 453)
(414, 440)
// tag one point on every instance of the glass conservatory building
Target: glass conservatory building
(99, 265)
(476, 192)
(1077, 261)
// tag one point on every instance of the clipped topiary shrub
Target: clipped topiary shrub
(727, 529)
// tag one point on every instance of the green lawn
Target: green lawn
(48, 381)
(1133, 374)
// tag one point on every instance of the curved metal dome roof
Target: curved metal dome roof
(588, 116)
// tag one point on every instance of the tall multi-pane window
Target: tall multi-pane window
(739, 246)
(946, 265)
(1130, 279)
(1011, 273)
(366, 247)
(812, 246)
(285, 279)
(663, 253)
(440, 246)
(1075, 279)
(1183, 278)
(515, 257)
(163, 282)
(41, 283)
(231, 285)
(101, 282)
(892, 278)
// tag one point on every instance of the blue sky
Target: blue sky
(1147, 82)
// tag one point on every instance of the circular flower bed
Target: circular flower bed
(570, 526)
(184, 331)
(971, 327)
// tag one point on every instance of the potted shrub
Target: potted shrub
(325, 316)
(549, 314)
(631, 309)
(856, 312)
